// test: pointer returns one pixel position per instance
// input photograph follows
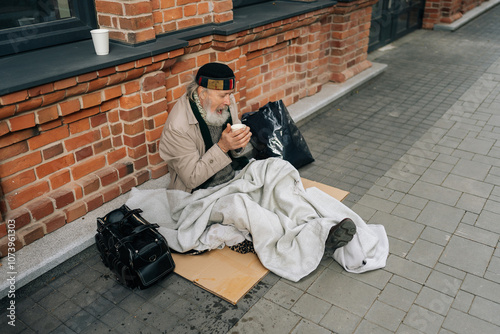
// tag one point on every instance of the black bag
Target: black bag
(274, 134)
(132, 248)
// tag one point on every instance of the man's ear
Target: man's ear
(202, 92)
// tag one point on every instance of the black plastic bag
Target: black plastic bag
(274, 134)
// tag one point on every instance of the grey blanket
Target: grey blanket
(267, 203)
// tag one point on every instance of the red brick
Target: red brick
(4, 246)
(108, 105)
(107, 176)
(53, 97)
(116, 155)
(31, 233)
(112, 92)
(109, 7)
(55, 165)
(94, 201)
(75, 211)
(81, 115)
(27, 194)
(46, 115)
(48, 137)
(79, 89)
(102, 146)
(98, 120)
(59, 179)
(111, 193)
(40, 208)
(127, 184)
(83, 153)
(62, 84)
(52, 151)
(3, 229)
(13, 150)
(54, 222)
(69, 106)
(105, 131)
(185, 65)
(82, 140)
(89, 184)
(40, 90)
(91, 100)
(21, 217)
(17, 181)
(90, 165)
(142, 176)
(62, 197)
(24, 162)
(22, 122)
(29, 105)
(134, 141)
(98, 84)
(137, 152)
(79, 126)
(153, 81)
(14, 97)
(158, 170)
(153, 135)
(131, 115)
(130, 101)
(156, 108)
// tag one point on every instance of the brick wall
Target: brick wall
(69, 146)
(446, 11)
(135, 22)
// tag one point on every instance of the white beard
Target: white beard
(214, 118)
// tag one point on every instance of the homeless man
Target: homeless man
(217, 197)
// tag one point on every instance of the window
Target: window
(33, 24)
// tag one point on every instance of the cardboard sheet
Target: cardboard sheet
(228, 274)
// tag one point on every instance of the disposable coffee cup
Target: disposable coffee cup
(100, 37)
(236, 127)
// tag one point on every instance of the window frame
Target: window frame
(42, 35)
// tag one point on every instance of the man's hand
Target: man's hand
(230, 140)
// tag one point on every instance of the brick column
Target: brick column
(350, 36)
(128, 21)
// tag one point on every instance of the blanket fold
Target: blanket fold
(267, 203)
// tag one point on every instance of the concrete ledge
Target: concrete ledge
(467, 17)
(331, 92)
(53, 249)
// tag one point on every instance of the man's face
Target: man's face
(216, 101)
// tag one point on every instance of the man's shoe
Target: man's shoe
(341, 234)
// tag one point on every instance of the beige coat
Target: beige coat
(183, 148)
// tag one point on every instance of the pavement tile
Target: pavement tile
(369, 327)
(408, 269)
(489, 221)
(481, 287)
(266, 317)
(399, 247)
(471, 203)
(385, 315)
(463, 323)
(468, 185)
(467, 255)
(344, 292)
(441, 216)
(397, 296)
(486, 310)
(435, 236)
(472, 169)
(444, 283)
(423, 320)
(435, 193)
(306, 326)
(311, 307)
(425, 253)
(340, 321)
(397, 227)
(284, 295)
(463, 301)
(477, 234)
(80, 321)
(434, 300)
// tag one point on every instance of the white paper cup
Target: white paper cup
(100, 37)
(236, 127)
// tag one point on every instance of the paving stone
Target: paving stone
(434, 300)
(467, 255)
(306, 326)
(266, 317)
(284, 295)
(311, 307)
(342, 291)
(399, 247)
(66, 310)
(477, 234)
(408, 269)
(340, 321)
(441, 216)
(463, 301)
(435, 193)
(375, 278)
(397, 296)
(369, 327)
(462, 323)
(435, 236)
(397, 227)
(471, 203)
(444, 283)
(425, 253)
(80, 321)
(385, 315)
(481, 287)
(471, 169)
(423, 320)
(468, 185)
(488, 220)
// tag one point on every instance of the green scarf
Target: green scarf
(237, 163)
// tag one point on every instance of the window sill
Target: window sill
(35, 68)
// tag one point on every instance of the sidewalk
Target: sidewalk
(418, 148)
